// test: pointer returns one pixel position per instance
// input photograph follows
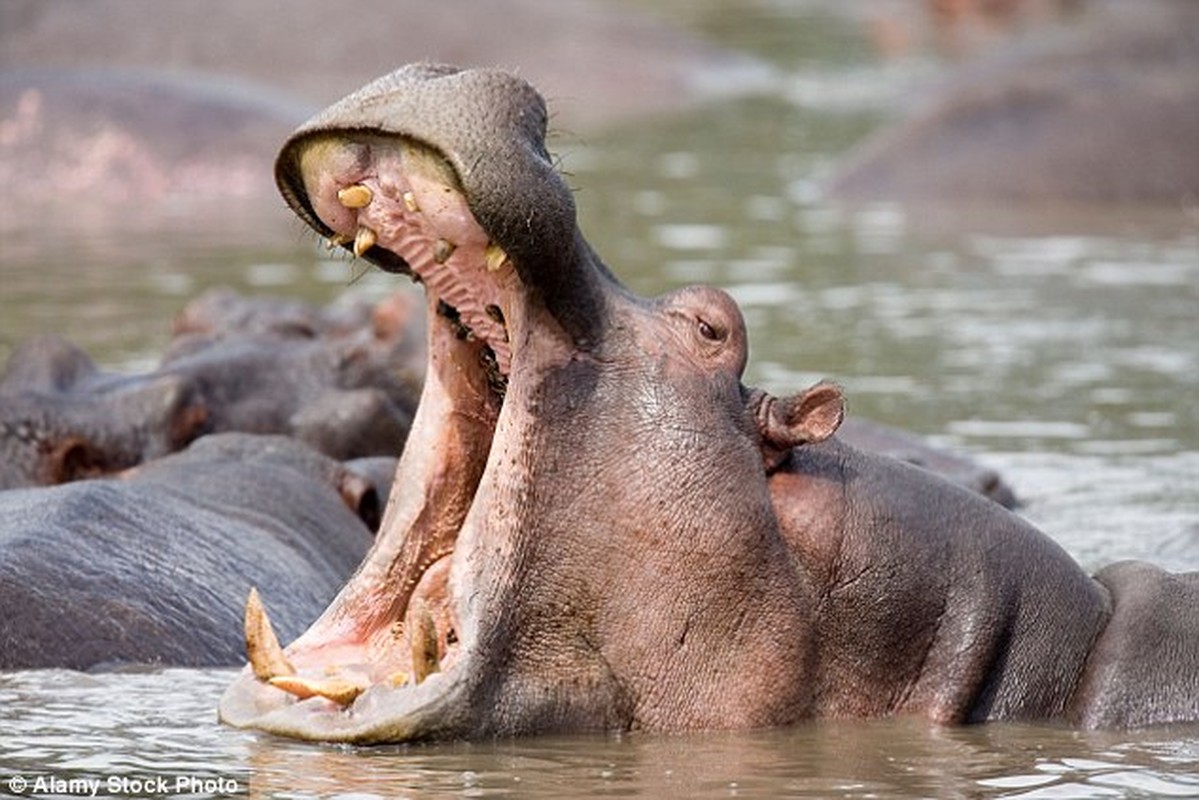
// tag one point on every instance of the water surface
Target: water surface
(79, 721)
(1069, 361)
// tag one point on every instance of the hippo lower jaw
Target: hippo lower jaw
(390, 660)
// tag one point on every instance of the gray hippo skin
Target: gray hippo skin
(1105, 115)
(57, 425)
(596, 525)
(344, 381)
(154, 566)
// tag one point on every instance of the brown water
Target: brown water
(137, 727)
(1068, 361)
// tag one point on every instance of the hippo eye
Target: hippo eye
(709, 332)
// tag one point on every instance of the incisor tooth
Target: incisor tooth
(364, 241)
(338, 690)
(410, 202)
(495, 257)
(262, 646)
(356, 196)
(335, 241)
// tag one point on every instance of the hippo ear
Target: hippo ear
(360, 494)
(72, 459)
(809, 417)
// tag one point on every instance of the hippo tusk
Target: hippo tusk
(262, 646)
(356, 196)
(364, 241)
(338, 690)
(335, 241)
(495, 256)
(422, 635)
(410, 202)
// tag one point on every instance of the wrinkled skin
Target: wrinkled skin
(153, 566)
(341, 380)
(596, 525)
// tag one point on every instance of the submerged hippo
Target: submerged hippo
(153, 566)
(596, 525)
(341, 380)
(1103, 115)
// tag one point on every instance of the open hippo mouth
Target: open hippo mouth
(561, 494)
(442, 175)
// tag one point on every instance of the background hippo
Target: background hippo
(598, 526)
(341, 379)
(1105, 115)
(154, 566)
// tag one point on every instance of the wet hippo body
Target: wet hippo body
(874, 437)
(340, 380)
(597, 525)
(154, 567)
(62, 420)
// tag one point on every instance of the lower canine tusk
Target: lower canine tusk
(262, 646)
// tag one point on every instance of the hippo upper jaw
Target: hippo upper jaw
(483, 130)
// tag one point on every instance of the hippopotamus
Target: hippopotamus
(344, 380)
(153, 566)
(1106, 115)
(55, 426)
(596, 525)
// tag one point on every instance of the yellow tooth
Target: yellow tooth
(338, 690)
(335, 241)
(364, 241)
(266, 656)
(410, 202)
(495, 256)
(356, 196)
(423, 638)
(442, 250)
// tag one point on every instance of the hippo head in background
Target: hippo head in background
(581, 533)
